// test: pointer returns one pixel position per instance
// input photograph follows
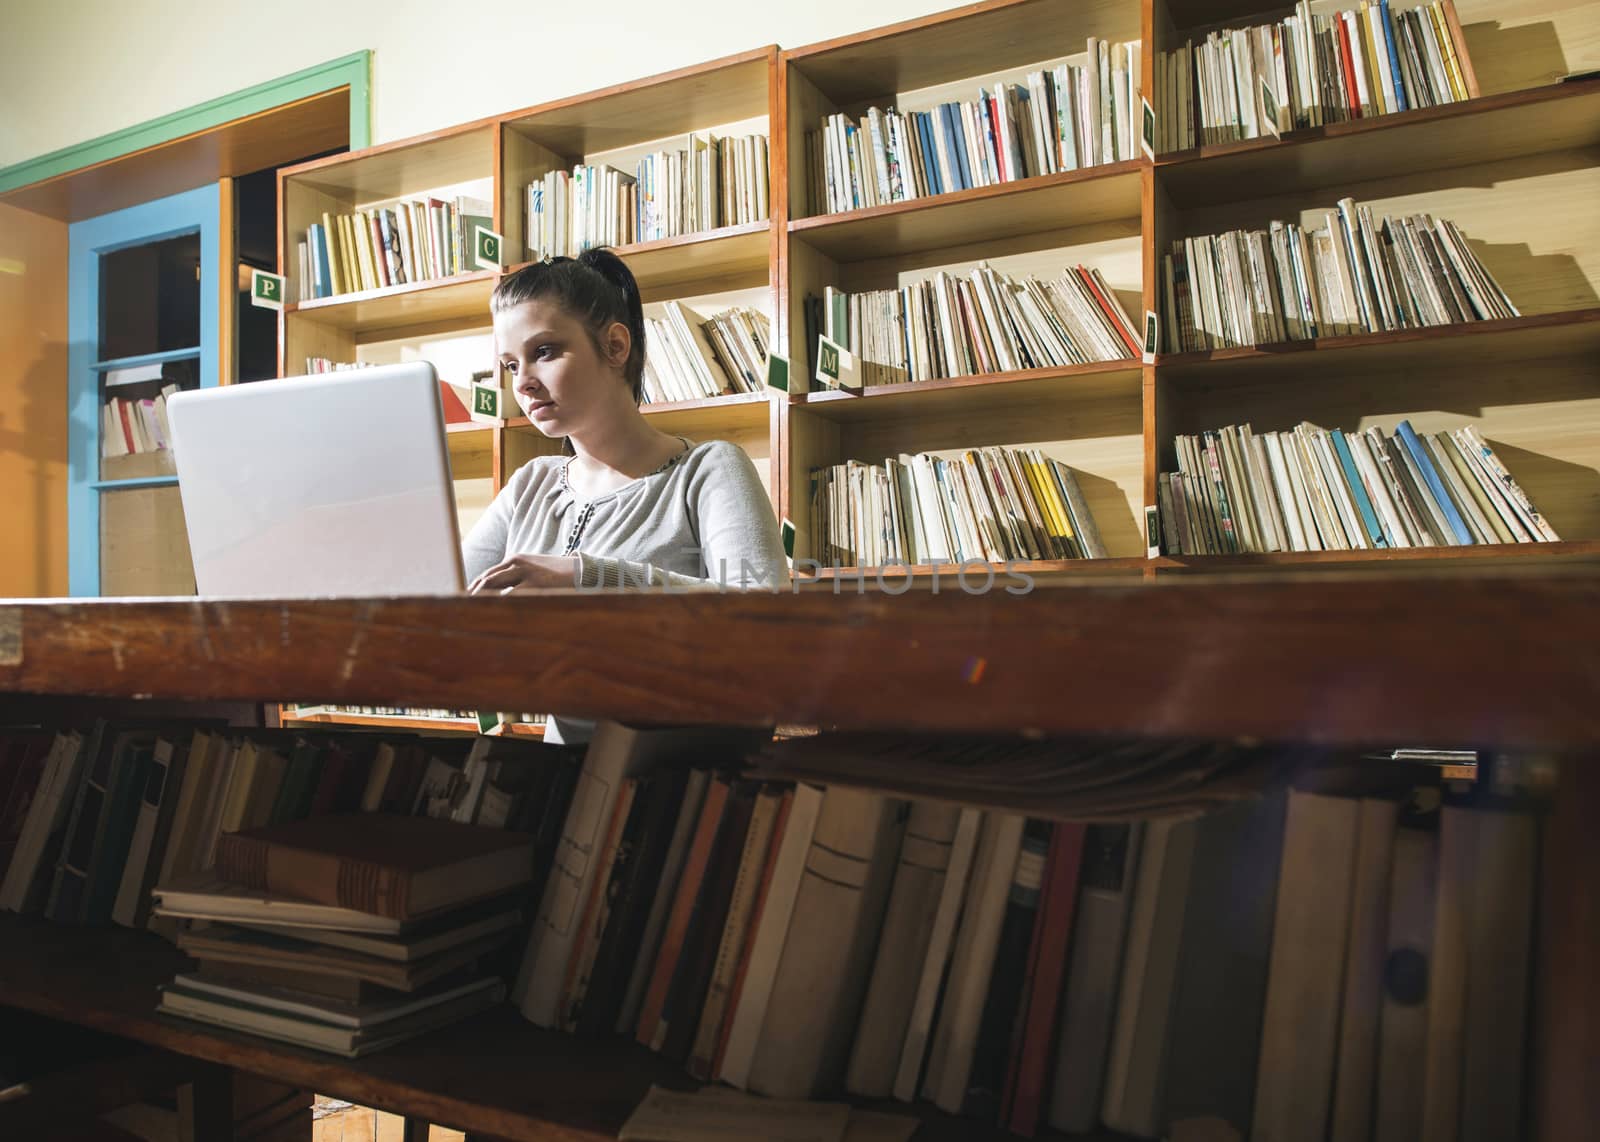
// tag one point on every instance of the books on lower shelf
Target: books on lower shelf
(1309, 69)
(135, 426)
(1315, 489)
(1063, 119)
(985, 321)
(991, 505)
(690, 359)
(411, 240)
(712, 183)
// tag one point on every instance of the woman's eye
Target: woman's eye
(510, 367)
(544, 352)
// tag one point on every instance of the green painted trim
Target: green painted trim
(353, 70)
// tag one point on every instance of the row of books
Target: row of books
(408, 241)
(689, 359)
(113, 808)
(132, 426)
(1063, 119)
(1258, 287)
(982, 322)
(987, 505)
(1309, 69)
(1315, 489)
(715, 183)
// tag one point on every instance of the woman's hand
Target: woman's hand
(524, 572)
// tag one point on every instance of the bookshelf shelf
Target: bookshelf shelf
(1009, 209)
(494, 1074)
(463, 297)
(1568, 554)
(692, 263)
(146, 359)
(1563, 116)
(1570, 334)
(1095, 381)
(385, 722)
(976, 573)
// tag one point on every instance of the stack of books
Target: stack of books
(689, 359)
(982, 322)
(348, 933)
(1063, 119)
(1355, 275)
(1314, 489)
(990, 505)
(1309, 69)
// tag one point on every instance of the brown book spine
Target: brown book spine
(359, 885)
(1025, 1087)
(1463, 60)
(694, 872)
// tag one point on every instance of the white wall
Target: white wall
(75, 69)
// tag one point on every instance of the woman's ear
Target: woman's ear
(618, 343)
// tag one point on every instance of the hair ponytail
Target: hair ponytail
(597, 288)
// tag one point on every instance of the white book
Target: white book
(126, 906)
(956, 1038)
(46, 815)
(952, 897)
(766, 946)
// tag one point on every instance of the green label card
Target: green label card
(1147, 129)
(778, 372)
(486, 401)
(788, 538)
(266, 290)
(1152, 336)
(827, 362)
(486, 248)
(1152, 532)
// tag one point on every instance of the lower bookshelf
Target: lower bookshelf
(495, 1074)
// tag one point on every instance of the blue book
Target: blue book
(1358, 489)
(1424, 463)
(325, 282)
(958, 144)
(930, 155)
(1394, 55)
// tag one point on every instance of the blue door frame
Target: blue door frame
(193, 211)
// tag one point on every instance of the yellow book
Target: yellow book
(352, 253)
(361, 222)
(335, 270)
(1049, 497)
(1447, 48)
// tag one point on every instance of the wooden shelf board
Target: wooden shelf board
(1095, 381)
(461, 297)
(1564, 553)
(494, 1074)
(976, 572)
(1559, 117)
(972, 41)
(671, 267)
(386, 722)
(735, 410)
(1435, 349)
(1027, 206)
(402, 168)
(676, 102)
(1481, 660)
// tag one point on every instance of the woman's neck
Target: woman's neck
(626, 445)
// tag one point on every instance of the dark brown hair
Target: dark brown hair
(596, 288)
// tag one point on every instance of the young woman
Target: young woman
(625, 505)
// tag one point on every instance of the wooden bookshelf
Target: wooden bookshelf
(464, 297)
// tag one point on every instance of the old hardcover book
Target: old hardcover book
(396, 867)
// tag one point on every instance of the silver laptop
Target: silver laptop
(332, 484)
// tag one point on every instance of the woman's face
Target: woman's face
(562, 382)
